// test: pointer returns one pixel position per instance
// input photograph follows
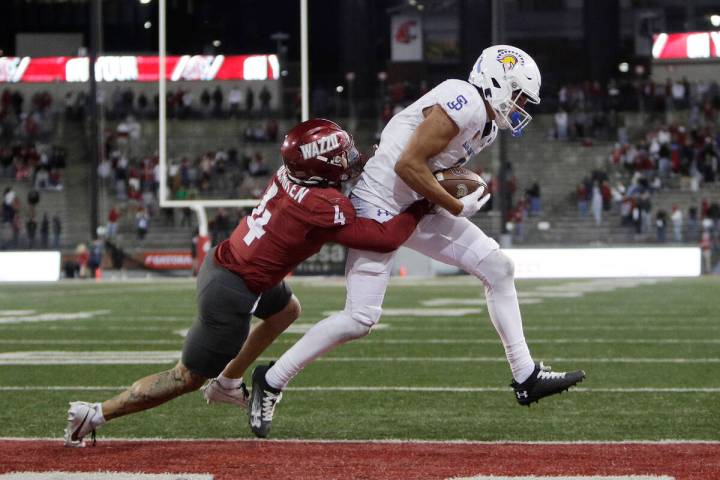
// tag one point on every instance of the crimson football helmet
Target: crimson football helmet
(319, 152)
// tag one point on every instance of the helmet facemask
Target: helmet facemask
(353, 161)
(511, 115)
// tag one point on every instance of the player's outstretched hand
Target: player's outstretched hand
(474, 202)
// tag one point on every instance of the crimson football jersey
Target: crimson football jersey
(292, 222)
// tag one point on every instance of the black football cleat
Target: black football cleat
(544, 382)
(263, 400)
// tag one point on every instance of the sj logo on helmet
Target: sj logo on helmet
(458, 103)
(320, 146)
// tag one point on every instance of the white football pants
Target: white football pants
(444, 237)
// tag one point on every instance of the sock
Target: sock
(496, 273)
(269, 387)
(523, 369)
(229, 383)
(321, 338)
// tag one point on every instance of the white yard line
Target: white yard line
(417, 327)
(385, 388)
(422, 312)
(480, 325)
(51, 317)
(389, 441)
(441, 302)
(399, 341)
(168, 356)
(89, 342)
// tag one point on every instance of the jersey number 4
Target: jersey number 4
(260, 216)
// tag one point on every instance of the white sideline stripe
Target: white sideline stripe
(385, 441)
(109, 475)
(401, 341)
(4, 313)
(154, 357)
(380, 388)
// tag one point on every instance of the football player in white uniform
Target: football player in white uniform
(444, 128)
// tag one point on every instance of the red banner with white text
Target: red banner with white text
(686, 46)
(168, 260)
(130, 68)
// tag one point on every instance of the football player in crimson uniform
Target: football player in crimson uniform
(301, 210)
(444, 128)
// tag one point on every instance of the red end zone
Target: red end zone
(375, 460)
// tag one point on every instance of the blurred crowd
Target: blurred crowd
(676, 157)
(183, 104)
(22, 120)
(587, 110)
(24, 226)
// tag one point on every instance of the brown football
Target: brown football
(459, 181)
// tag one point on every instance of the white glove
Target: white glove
(474, 202)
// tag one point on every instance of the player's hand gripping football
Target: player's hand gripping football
(474, 201)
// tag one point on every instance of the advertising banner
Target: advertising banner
(168, 260)
(129, 68)
(686, 46)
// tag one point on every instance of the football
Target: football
(459, 181)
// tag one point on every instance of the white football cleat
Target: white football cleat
(214, 392)
(80, 416)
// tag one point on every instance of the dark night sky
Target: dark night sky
(243, 26)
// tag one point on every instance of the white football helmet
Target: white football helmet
(505, 74)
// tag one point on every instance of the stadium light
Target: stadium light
(216, 43)
(147, 25)
(145, 2)
(624, 67)
(715, 20)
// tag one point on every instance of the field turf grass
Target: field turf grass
(651, 352)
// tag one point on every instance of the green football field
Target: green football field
(435, 369)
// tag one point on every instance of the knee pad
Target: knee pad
(497, 271)
(356, 322)
(366, 315)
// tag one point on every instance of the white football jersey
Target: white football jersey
(380, 185)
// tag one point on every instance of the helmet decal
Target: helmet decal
(320, 146)
(510, 58)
